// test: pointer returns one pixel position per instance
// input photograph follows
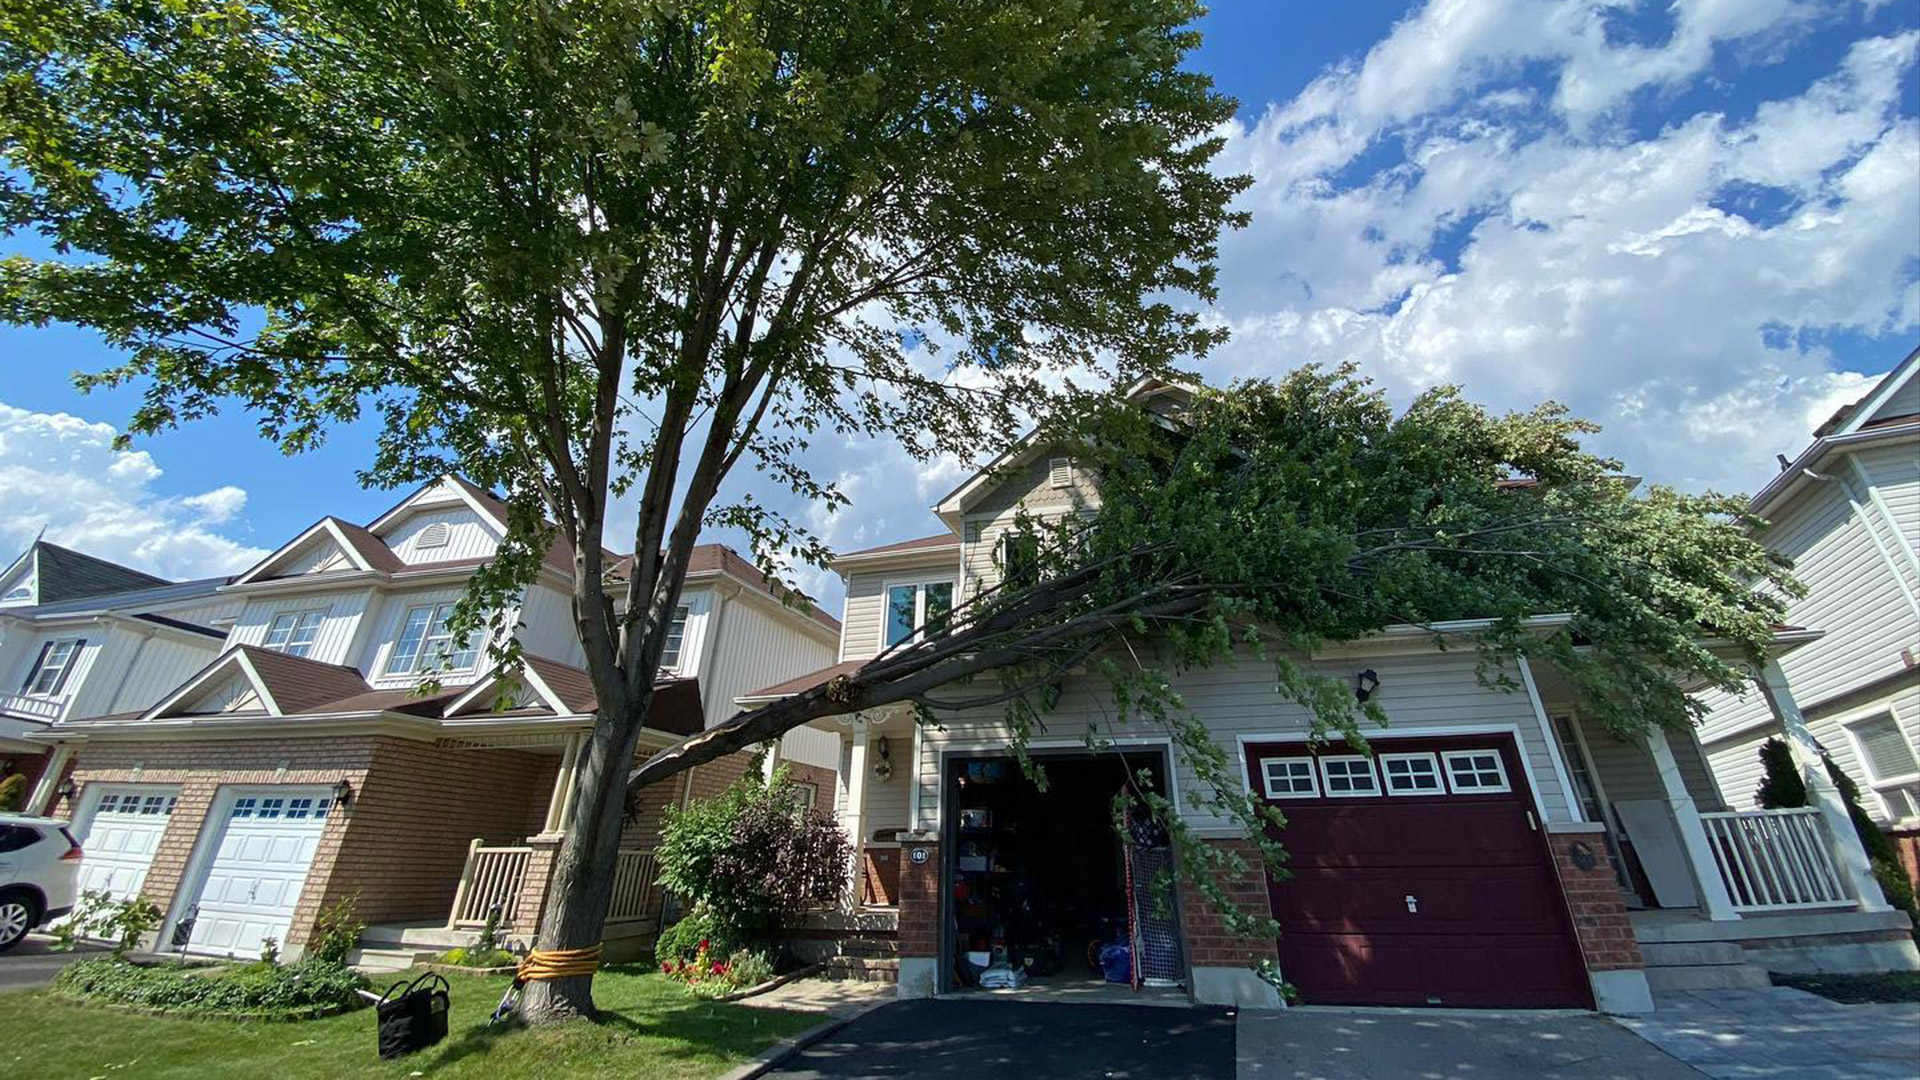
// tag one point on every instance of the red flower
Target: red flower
(703, 944)
(719, 968)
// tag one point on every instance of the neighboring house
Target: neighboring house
(303, 762)
(1847, 512)
(80, 636)
(1497, 849)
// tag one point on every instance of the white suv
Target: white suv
(39, 861)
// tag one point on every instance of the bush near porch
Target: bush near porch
(653, 1028)
(1781, 786)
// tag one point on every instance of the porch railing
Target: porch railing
(493, 878)
(632, 886)
(1776, 860)
(27, 705)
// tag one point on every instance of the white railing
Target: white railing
(632, 886)
(1776, 860)
(493, 878)
(34, 708)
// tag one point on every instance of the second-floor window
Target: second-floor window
(426, 643)
(676, 639)
(49, 674)
(917, 608)
(294, 632)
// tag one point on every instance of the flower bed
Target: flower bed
(258, 991)
(709, 976)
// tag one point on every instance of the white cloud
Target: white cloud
(62, 472)
(1596, 270)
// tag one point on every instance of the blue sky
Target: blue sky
(1697, 223)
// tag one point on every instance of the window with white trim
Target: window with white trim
(50, 670)
(426, 643)
(1289, 778)
(1411, 774)
(918, 609)
(1891, 766)
(1348, 775)
(676, 638)
(1475, 772)
(294, 632)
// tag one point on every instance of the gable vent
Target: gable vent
(433, 536)
(1060, 472)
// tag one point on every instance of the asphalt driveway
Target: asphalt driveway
(1312, 1044)
(32, 963)
(1023, 1040)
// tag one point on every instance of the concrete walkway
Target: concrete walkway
(1339, 1044)
(837, 998)
(1781, 1032)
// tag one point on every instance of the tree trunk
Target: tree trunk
(581, 885)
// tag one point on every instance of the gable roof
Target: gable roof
(62, 574)
(719, 560)
(362, 548)
(1881, 406)
(927, 544)
(1888, 413)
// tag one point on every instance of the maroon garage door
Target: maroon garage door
(1419, 877)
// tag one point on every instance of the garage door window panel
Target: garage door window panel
(1289, 778)
(1349, 777)
(1476, 772)
(1412, 774)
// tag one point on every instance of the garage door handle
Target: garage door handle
(1413, 905)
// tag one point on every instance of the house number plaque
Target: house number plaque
(917, 855)
(1582, 856)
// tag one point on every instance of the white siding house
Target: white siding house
(1847, 512)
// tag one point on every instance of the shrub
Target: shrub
(697, 928)
(1783, 787)
(303, 988)
(478, 957)
(99, 915)
(336, 932)
(752, 856)
(707, 976)
(13, 791)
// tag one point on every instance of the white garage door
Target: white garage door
(121, 831)
(258, 868)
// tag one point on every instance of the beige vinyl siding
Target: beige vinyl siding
(1028, 489)
(1422, 692)
(1736, 766)
(467, 536)
(1890, 475)
(756, 643)
(339, 626)
(865, 614)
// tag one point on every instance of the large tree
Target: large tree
(579, 251)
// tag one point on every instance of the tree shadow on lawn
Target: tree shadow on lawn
(676, 1030)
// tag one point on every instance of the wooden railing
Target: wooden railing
(1776, 860)
(28, 705)
(632, 886)
(493, 878)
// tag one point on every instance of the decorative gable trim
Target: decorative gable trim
(481, 693)
(326, 528)
(233, 663)
(1868, 409)
(463, 493)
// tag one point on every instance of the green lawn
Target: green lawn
(654, 1029)
(1887, 986)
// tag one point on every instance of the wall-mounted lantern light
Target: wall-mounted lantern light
(883, 758)
(343, 793)
(1365, 683)
(64, 789)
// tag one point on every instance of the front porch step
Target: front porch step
(1692, 954)
(408, 935)
(861, 969)
(386, 961)
(1708, 977)
(867, 948)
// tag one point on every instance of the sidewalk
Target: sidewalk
(1781, 1032)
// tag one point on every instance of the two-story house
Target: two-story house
(306, 763)
(81, 636)
(1847, 512)
(1494, 847)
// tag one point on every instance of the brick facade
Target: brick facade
(1594, 899)
(1208, 942)
(1906, 844)
(919, 925)
(399, 847)
(880, 875)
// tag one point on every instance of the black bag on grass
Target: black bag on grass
(413, 1015)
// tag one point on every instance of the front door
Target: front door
(258, 869)
(1418, 876)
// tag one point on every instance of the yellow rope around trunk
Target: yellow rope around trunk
(545, 965)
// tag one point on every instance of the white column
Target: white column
(1847, 850)
(560, 803)
(857, 808)
(56, 767)
(1708, 885)
(913, 778)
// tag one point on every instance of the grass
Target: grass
(653, 1028)
(1880, 988)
